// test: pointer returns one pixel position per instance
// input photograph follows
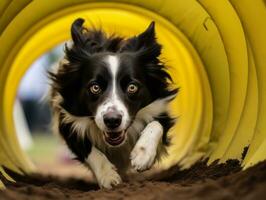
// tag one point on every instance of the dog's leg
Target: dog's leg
(104, 171)
(143, 154)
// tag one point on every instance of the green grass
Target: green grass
(44, 148)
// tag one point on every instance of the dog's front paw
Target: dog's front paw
(142, 158)
(108, 178)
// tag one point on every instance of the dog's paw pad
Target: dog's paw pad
(142, 158)
(109, 178)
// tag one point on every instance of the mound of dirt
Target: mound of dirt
(223, 181)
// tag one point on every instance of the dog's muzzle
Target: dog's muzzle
(112, 121)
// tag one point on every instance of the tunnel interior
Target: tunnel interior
(217, 56)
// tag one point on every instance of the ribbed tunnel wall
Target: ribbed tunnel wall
(217, 51)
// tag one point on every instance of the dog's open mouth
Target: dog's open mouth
(114, 138)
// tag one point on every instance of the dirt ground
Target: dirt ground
(224, 181)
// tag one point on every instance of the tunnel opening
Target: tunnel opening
(221, 104)
(33, 120)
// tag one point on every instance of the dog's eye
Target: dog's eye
(132, 88)
(95, 89)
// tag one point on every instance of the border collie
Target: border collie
(109, 98)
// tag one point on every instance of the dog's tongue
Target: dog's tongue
(114, 138)
(114, 135)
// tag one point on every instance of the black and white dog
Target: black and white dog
(110, 98)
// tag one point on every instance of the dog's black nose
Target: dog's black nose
(112, 120)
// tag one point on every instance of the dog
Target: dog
(109, 99)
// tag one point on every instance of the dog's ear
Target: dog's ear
(148, 36)
(77, 32)
(77, 52)
(144, 44)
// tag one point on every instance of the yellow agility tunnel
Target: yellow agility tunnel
(216, 51)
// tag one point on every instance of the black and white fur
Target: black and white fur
(109, 98)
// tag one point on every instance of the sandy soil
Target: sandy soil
(224, 181)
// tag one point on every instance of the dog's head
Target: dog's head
(110, 79)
